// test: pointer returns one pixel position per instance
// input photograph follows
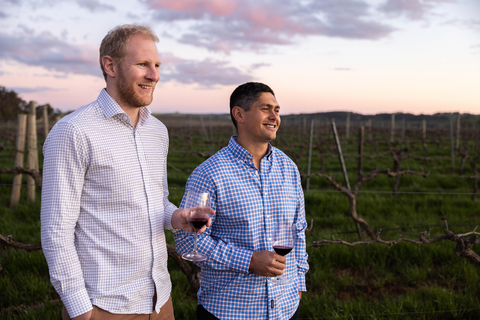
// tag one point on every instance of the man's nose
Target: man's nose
(153, 74)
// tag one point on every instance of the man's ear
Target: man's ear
(109, 66)
(239, 114)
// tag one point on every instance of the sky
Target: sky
(364, 56)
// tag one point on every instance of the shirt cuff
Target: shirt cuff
(167, 218)
(77, 303)
(240, 261)
(301, 282)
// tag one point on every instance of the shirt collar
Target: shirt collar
(242, 153)
(111, 108)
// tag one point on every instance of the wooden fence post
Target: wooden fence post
(19, 155)
(392, 129)
(477, 127)
(347, 127)
(310, 155)
(361, 139)
(369, 126)
(452, 145)
(403, 133)
(46, 127)
(457, 144)
(344, 168)
(32, 151)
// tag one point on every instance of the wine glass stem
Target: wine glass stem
(195, 243)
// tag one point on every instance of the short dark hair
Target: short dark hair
(245, 95)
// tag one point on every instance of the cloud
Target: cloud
(3, 15)
(52, 53)
(94, 5)
(412, 9)
(207, 73)
(52, 75)
(253, 25)
(46, 50)
(36, 89)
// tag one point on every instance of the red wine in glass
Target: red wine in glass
(197, 223)
(282, 242)
(198, 209)
(282, 250)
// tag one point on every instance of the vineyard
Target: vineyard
(392, 209)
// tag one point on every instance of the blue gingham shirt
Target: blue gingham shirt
(248, 202)
(104, 209)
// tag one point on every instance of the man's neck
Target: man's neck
(132, 112)
(257, 149)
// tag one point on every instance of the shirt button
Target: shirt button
(269, 239)
(256, 172)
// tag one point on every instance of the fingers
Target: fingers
(280, 258)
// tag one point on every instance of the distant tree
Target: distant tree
(10, 105)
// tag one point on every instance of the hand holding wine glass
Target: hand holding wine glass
(198, 212)
(283, 242)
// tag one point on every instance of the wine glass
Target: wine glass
(282, 242)
(198, 209)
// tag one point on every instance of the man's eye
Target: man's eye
(142, 64)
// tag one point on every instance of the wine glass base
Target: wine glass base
(279, 280)
(194, 256)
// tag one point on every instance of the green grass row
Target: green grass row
(406, 281)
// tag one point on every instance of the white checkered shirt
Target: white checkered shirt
(247, 202)
(104, 209)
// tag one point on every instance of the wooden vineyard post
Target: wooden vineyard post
(361, 139)
(19, 155)
(45, 121)
(457, 144)
(403, 133)
(310, 155)
(424, 135)
(347, 127)
(452, 145)
(477, 127)
(347, 131)
(369, 126)
(392, 129)
(32, 152)
(344, 168)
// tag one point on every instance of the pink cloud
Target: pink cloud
(254, 24)
(215, 7)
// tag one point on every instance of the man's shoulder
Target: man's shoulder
(282, 157)
(156, 123)
(218, 161)
(81, 115)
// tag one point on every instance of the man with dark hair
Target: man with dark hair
(253, 186)
(105, 196)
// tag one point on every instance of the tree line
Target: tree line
(11, 104)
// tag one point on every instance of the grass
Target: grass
(406, 281)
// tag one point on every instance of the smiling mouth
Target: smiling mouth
(270, 126)
(145, 86)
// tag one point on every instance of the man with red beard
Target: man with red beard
(105, 196)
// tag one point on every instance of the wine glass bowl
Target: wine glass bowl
(283, 241)
(198, 206)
